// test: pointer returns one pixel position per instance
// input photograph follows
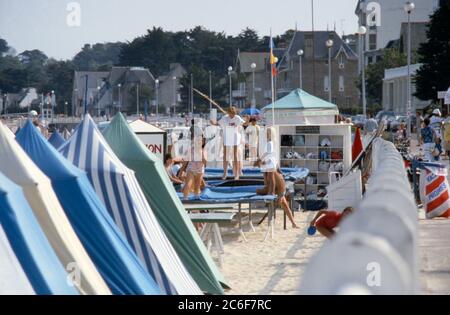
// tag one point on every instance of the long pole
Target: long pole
(157, 98)
(85, 95)
(229, 74)
(253, 89)
(137, 100)
(210, 91)
(120, 99)
(271, 79)
(174, 96)
(300, 74)
(329, 75)
(313, 49)
(408, 105)
(192, 95)
(363, 76)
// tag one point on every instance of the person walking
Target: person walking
(427, 140)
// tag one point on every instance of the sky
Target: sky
(56, 28)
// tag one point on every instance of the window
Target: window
(341, 83)
(348, 102)
(372, 41)
(341, 61)
(370, 60)
(334, 101)
(326, 84)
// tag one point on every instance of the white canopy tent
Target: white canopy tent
(19, 168)
(13, 279)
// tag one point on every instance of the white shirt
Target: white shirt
(252, 132)
(435, 123)
(231, 130)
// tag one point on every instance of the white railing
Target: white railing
(375, 250)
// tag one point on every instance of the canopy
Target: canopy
(129, 209)
(39, 269)
(18, 167)
(299, 99)
(166, 205)
(251, 112)
(140, 126)
(56, 139)
(113, 257)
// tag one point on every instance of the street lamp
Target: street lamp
(98, 101)
(329, 43)
(253, 66)
(65, 107)
(157, 96)
(230, 69)
(300, 53)
(361, 33)
(210, 91)
(409, 7)
(174, 80)
(120, 99)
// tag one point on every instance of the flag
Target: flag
(357, 147)
(273, 64)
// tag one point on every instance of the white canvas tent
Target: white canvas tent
(12, 277)
(19, 168)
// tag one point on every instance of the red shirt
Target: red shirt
(330, 220)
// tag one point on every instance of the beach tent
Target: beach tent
(300, 107)
(165, 203)
(117, 187)
(56, 139)
(32, 261)
(18, 167)
(110, 252)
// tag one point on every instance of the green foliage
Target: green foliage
(98, 57)
(391, 58)
(434, 75)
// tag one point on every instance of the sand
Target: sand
(272, 267)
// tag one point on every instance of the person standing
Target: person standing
(427, 136)
(252, 132)
(419, 122)
(231, 125)
(268, 161)
(436, 122)
(196, 165)
(446, 132)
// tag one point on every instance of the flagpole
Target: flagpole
(271, 79)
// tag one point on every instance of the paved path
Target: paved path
(434, 247)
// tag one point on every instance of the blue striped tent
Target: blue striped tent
(56, 139)
(31, 259)
(119, 190)
(115, 260)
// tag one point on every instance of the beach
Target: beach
(271, 267)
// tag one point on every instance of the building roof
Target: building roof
(127, 75)
(246, 59)
(320, 49)
(299, 99)
(400, 72)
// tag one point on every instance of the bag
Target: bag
(324, 166)
(323, 155)
(299, 141)
(336, 155)
(287, 141)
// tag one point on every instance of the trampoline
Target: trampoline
(237, 195)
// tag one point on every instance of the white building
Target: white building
(383, 19)
(395, 85)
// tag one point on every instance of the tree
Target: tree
(98, 57)
(434, 75)
(391, 58)
(4, 48)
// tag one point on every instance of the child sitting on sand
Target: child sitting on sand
(326, 221)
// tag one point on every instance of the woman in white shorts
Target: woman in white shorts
(231, 131)
(268, 161)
